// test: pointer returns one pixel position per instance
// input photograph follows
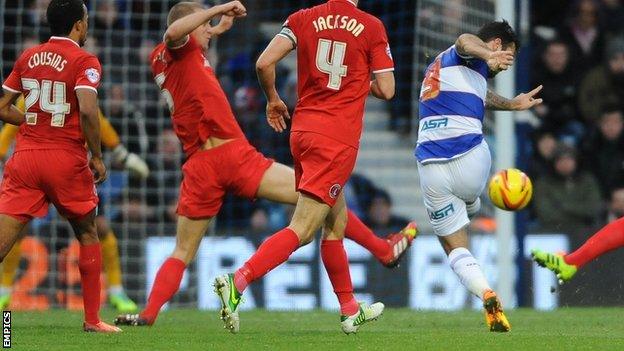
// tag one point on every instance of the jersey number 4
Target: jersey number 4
(52, 99)
(330, 58)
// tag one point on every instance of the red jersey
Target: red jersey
(198, 105)
(48, 75)
(338, 47)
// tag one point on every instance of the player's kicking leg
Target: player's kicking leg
(167, 282)
(90, 266)
(112, 267)
(310, 214)
(278, 184)
(609, 238)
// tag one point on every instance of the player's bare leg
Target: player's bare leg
(9, 254)
(9, 266)
(278, 184)
(10, 229)
(353, 314)
(90, 266)
(112, 267)
(470, 275)
(167, 282)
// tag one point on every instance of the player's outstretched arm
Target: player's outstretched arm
(276, 109)
(470, 45)
(8, 112)
(383, 86)
(225, 23)
(521, 102)
(90, 125)
(177, 32)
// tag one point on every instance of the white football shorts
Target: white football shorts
(451, 189)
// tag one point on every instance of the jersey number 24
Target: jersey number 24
(52, 99)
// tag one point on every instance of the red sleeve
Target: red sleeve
(14, 82)
(180, 51)
(380, 56)
(88, 74)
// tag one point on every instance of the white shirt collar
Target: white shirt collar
(64, 38)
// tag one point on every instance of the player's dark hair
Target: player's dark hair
(501, 30)
(182, 9)
(63, 14)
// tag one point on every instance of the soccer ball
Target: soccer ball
(510, 189)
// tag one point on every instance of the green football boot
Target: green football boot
(555, 263)
(230, 299)
(351, 324)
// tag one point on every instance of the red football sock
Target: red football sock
(361, 234)
(90, 266)
(610, 237)
(274, 251)
(166, 284)
(337, 266)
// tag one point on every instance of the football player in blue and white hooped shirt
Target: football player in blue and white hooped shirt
(453, 158)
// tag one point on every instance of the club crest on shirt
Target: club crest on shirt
(334, 191)
(92, 75)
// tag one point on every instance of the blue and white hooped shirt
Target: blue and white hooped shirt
(452, 106)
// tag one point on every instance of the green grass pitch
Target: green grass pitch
(397, 329)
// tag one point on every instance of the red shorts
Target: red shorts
(208, 174)
(35, 178)
(322, 165)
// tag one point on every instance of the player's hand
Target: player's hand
(234, 9)
(277, 113)
(99, 170)
(525, 101)
(500, 60)
(225, 23)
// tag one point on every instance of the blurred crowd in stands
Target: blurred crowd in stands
(577, 164)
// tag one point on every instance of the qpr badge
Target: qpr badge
(92, 75)
(334, 191)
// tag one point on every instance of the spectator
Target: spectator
(604, 152)
(613, 22)
(558, 111)
(567, 199)
(583, 35)
(604, 84)
(544, 151)
(616, 205)
(380, 217)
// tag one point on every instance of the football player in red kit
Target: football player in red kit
(50, 163)
(338, 48)
(219, 158)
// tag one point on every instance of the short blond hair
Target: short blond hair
(182, 9)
